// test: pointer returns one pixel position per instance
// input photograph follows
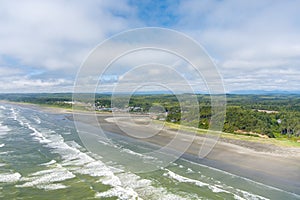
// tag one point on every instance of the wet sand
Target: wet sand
(271, 165)
(268, 164)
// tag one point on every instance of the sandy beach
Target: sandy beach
(268, 164)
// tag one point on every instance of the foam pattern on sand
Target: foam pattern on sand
(215, 188)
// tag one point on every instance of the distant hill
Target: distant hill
(264, 92)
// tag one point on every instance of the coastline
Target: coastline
(278, 168)
(275, 168)
(264, 163)
(49, 109)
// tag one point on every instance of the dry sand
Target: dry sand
(268, 164)
(265, 163)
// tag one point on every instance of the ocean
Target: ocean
(42, 157)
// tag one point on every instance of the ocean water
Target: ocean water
(42, 157)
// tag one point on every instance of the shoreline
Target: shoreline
(262, 145)
(259, 145)
(259, 162)
(278, 170)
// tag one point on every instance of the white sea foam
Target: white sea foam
(108, 142)
(244, 193)
(134, 181)
(10, 177)
(67, 133)
(189, 170)
(2, 107)
(128, 151)
(2, 145)
(5, 152)
(145, 189)
(48, 163)
(104, 143)
(238, 194)
(74, 144)
(183, 179)
(98, 169)
(89, 166)
(179, 178)
(76, 161)
(45, 177)
(55, 186)
(208, 167)
(4, 129)
(115, 169)
(248, 195)
(82, 163)
(13, 113)
(138, 154)
(20, 122)
(38, 135)
(119, 192)
(37, 119)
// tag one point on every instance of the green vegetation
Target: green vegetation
(273, 116)
(46, 99)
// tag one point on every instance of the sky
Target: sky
(254, 44)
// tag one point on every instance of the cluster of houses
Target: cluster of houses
(128, 109)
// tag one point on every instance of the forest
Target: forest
(271, 115)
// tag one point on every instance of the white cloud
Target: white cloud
(54, 37)
(24, 84)
(8, 71)
(247, 37)
(57, 34)
(256, 44)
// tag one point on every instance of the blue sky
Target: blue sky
(255, 44)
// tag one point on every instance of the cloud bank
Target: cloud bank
(255, 44)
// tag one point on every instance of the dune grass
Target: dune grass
(278, 141)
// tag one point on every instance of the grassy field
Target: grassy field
(281, 141)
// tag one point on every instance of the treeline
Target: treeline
(271, 115)
(51, 99)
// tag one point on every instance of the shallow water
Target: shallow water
(42, 157)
